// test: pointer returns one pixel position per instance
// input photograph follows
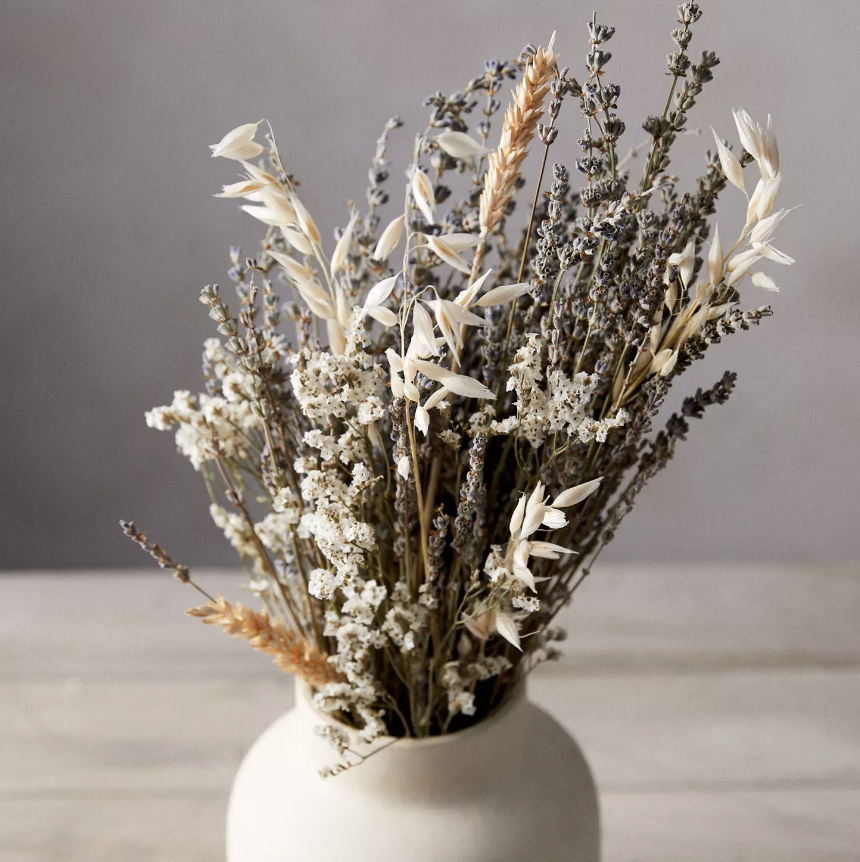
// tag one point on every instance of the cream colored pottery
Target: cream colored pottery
(514, 788)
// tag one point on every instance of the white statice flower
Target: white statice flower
(426, 598)
(236, 387)
(205, 424)
(373, 725)
(526, 369)
(364, 601)
(275, 530)
(327, 444)
(458, 678)
(260, 586)
(532, 403)
(335, 735)
(334, 386)
(405, 619)
(565, 409)
(322, 583)
(569, 400)
(304, 464)
(286, 503)
(451, 438)
(593, 429)
(348, 448)
(334, 697)
(568, 409)
(358, 637)
(363, 478)
(219, 358)
(341, 537)
(239, 534)
(505, 426)
(461, 701)
(530, 604)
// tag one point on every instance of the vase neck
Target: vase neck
(423, 768)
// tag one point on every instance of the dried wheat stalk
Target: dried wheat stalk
(290, 653)
(519, 128)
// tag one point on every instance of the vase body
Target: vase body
(514, 787)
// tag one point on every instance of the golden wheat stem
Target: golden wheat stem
(521, 121)
(290, 652)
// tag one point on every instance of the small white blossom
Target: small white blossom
(530, 604)
(335, 736)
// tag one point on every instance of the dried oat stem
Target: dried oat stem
(504, 163)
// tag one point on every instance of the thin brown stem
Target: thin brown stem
(236, 499)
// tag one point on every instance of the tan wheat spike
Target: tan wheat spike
(289, 652)
(520, 124)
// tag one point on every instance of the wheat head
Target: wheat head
(289, 652)
(520, 124)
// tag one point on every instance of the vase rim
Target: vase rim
(516, 696)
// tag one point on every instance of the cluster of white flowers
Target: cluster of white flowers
(459, 679)
(239, 534)
(405, 620)
(336, 385)
(341, 537)
(357, 638)
(563, 407)
(274, 530)
(205, 425)
(334, 735)
(286, 502)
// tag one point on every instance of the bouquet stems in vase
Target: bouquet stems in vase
(420, 435)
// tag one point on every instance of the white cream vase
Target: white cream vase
(512, 788)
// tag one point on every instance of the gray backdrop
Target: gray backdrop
(109, 230)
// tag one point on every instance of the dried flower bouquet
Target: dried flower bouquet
(422, 482)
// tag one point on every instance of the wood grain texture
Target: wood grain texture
(716, 826)
(758, 729)
(720, 729)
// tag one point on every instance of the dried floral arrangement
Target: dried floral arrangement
(422, 482)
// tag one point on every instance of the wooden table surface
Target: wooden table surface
(719, 708)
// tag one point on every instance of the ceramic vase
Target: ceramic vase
(513, 787)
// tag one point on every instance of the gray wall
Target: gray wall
(109, 230)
